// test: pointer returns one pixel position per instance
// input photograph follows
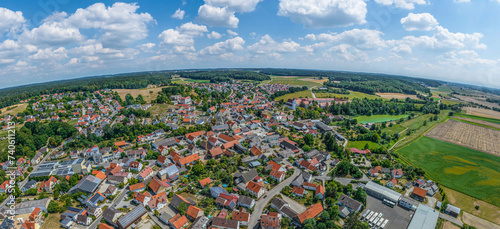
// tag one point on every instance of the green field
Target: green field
(179, 81)
(300, 94)
(466, 170)
(450, 102)
(395, 128)
(497, 121)
(378, 118)
(361, 144)
(352, 95)
(293, 81)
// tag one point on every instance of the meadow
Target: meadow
(379, 118)
(299, 94)
(296, 81)
(361, 145)
(351, 95)
(465, 170)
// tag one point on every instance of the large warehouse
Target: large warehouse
(382, 192)
(424, 218)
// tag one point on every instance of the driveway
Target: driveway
(262, 202)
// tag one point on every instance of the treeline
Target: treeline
(379, 107)
(290, 91)
(216, 76)
(11, 96)
(376, 85)
(34, 135)
(331, 90)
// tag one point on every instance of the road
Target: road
(314, 96)
(451, 219)
(262, 202)
(97, 221)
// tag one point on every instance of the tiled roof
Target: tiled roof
(310, 212)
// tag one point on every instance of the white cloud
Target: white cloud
(54, 33)
(214, 35)
(444, 39)
(268, 45)
(349, 53)
(324, 13)
(402, 49)
(235, 5)
(361, 38)
(49, 54)
(193, 29)
(179, 14)
(217, 16)
(10, 20)
(461, 1)
(419, 22)
(224, 47)
(148, 47)
(182, 38)
(403, 4)
(120, 22)
(232, 33)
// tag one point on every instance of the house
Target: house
(204, 182)
(110, 215)
(189, 160)
(397, 173)
(349, 203)
(139, 187)
(374, 172)
(245, 201)
(171, 172)
(178, 221)
(225, 223)
(141, 198)
(226, 201)
(216, 191)
(392, 183)
(145, 174)
(157, 186)
(277, 175)
(215, 152)
(35, 215)
(241, 216)
(135, 165)
(200, 223)
(111, 190)
(418, 194)
(194, 212)
(359, 152)
(158, 201)
(270, 222)
(29, 185)
(452, 210)
(131, 217)
(178, 199)
(298, 191)
(311, 212)
(255, 189)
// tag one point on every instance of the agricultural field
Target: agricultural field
(396, 96)
(468, 135)
(351, 95)
(491, 120)
(297, 81)
(160, 109)
(477, 122)
(466, 170)
(478, 100)
(299, 94)
(361, 144)
(379, 118)
(148, 94)
(14, 109)
(450, 102)
(482, 112)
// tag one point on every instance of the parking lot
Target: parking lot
(398, 217)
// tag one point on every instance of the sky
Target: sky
(451, 40)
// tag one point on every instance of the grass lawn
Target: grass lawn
(14, 109)
(395, 128)
(467, 203)
(379, 118)
(187, 80)
(352, 95)
(300, 94)
(466, 170)
(361, 144)
(159, 109)
(497, 121)
(52, 221)
(294, 81)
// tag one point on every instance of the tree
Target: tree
(353, 222)
(53, 207)
(182, 208)
(198, 169)
(309, 139)
(367, 146)
(285, 222)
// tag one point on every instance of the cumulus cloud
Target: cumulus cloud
(235, 5)
(461, 1)
(232, 33)
(224, 47)
(361, 38)
(10, 20)
(182, 38)
(324, 13)
(419, 22)
(214, 35)
(179, 14)
(217, 16)
(50, 54)
(444, 39)
(148, 47)
(403, 4)
(267, 45)
(349, 53)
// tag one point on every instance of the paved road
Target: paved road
(97, 221)
(451, 219)
(262, 202)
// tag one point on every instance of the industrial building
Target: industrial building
(382, 192)
(424, 218)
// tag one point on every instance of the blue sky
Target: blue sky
(452, 40)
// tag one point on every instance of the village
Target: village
(232, 158)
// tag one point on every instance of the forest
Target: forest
(216, 76)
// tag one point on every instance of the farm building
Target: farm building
(381, 192)
(424, 217)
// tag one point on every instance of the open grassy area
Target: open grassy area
(52, 221)
(148, 94)
(352, 95)
(160, 109)
(361, 144)
(497, 121)
(14, 109)
(300, 94)
(296, 81)
(395, 128)
(379, 118)
(450, 102)
(466, 170)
